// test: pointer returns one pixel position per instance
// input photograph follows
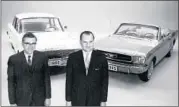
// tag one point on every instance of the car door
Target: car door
(163, 47)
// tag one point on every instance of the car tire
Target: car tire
(169, 53)
(146, 76)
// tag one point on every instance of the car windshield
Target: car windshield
(39, 25)
(138, 31)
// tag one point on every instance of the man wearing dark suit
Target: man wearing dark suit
(28, 76)
(86, 75)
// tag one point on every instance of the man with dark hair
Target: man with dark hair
(29, 35)
(88, 33)
(28, 76)
(86, 75)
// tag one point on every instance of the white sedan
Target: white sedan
(51, 35)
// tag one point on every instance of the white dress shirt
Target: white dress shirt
(88, 58)
(26, 56)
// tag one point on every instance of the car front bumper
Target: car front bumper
(58, 57)
(126, 68)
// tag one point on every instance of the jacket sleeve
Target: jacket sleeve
(47, 78)
(11, 82)
(104, 82)
(68, 79)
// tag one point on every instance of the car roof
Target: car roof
(32, 15)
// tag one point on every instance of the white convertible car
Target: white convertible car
(51, 35)
(137, 48)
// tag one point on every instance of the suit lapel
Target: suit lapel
(24, 61)
(92, 61)
(81, 61)
(24, 64)
(34, 59)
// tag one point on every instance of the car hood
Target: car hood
(56, 40)
(125, 45)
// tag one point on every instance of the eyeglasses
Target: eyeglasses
(26, 43)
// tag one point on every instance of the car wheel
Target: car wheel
(169, 53)
(146, 76)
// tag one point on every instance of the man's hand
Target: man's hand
(103, 104)
(13, 104)
(47, 102)
(68, 103)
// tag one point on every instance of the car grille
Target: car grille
(59, 53)
(118, 57)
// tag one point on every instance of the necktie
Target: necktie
(87, 62)
(29, 60)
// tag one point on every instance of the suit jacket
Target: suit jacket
(28, 83)
(90, 89)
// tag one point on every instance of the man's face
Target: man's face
(87, 42)
(29, 45)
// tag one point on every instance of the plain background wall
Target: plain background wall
(98, 16)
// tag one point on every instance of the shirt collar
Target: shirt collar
(26, 55)
(84, 52)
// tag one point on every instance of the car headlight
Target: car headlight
(139, 59)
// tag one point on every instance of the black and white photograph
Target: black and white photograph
(89, 53)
